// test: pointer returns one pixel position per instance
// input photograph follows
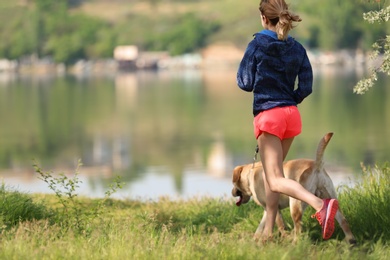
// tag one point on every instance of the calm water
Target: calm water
(176, 134)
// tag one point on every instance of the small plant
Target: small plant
(74, 214)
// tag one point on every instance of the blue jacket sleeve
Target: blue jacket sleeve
(305, 81)
(247, 69)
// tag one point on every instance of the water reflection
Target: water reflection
(173, 133)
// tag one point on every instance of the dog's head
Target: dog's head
(241, 186)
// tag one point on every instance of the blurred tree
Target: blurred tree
(18, 38)
(188, 34)
(68, 37)
(337, 24)
(104, 44)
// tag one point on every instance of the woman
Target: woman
(271, 64)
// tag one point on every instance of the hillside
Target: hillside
(336, 25)
(238, 20)
(70, 30)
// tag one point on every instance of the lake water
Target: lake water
(174, 133)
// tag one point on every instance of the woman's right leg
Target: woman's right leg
(272, 152)
(272, 198)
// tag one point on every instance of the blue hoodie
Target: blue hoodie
(270, 67)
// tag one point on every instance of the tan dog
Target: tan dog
(248, 182)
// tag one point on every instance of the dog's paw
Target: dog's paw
(262, 239)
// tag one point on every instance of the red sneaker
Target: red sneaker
(326, 217)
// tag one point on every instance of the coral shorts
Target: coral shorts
(284, 122)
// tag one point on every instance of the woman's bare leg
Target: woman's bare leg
(273, 152)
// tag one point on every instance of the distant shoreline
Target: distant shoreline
(213, 57)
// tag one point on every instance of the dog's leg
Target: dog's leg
(328, 191)
(296, 210)
(280, 224)
(260, 228)
(349, 237)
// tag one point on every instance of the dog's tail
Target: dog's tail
(321, 149)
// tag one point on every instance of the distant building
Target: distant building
(8, 65)
(130, 58)
(126, 56)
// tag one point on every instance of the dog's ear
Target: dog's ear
(237, 174)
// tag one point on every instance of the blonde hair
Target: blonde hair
(278, 14)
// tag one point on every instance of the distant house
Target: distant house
(8, 65)
(130, 58)
(126, 56)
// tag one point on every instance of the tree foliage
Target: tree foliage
(67, 37)
(58, 29)
(337, 24)
(55, 31)
(380, 47)
(189, 34)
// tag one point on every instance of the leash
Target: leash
(255, 156)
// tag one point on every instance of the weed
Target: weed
(74, 214)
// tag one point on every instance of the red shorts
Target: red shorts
(284, 122)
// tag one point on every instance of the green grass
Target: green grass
(369, 200)
(199, 228)
(16, 207)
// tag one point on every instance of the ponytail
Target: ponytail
(285, 23)
(279, 15)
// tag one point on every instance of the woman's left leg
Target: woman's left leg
(272, 198)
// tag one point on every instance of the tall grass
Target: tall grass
(16, 207)
(367, 204)
(200, 228)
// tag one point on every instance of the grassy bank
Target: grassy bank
(37, 226)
